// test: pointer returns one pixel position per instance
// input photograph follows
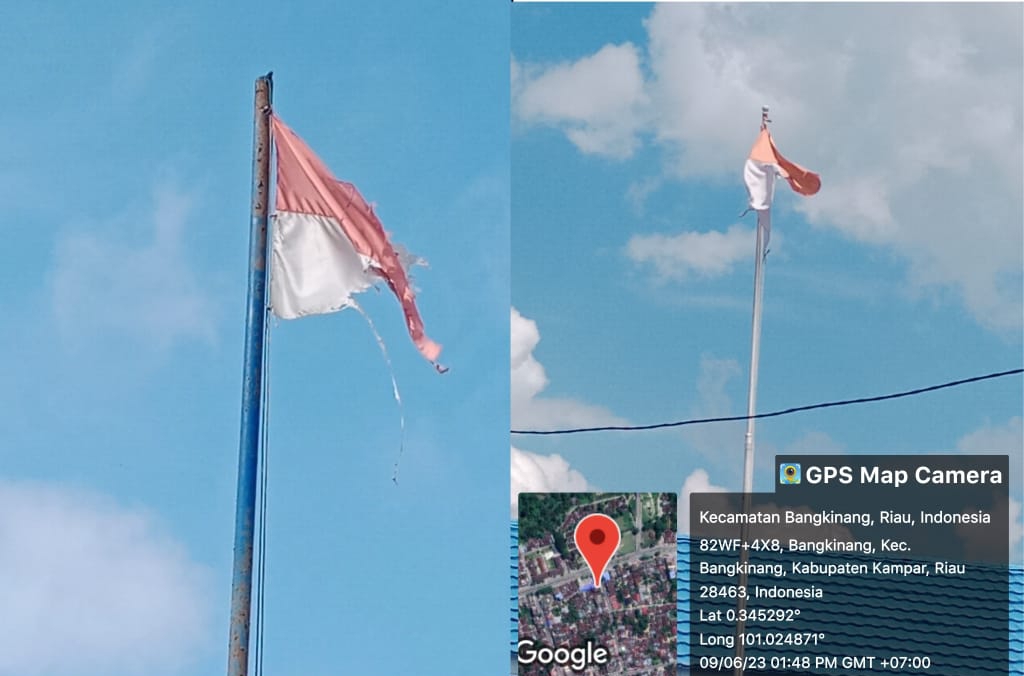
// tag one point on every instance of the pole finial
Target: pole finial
(764, 117)
(267, 81)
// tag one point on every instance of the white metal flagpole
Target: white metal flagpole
(748, 440)
(755, 348)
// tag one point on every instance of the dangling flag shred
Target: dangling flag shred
(328, 244)
(759, 173)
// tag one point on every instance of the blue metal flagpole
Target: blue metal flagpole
(252, 385)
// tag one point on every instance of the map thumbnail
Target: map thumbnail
(626, 625)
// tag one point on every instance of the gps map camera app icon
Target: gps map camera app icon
(789, 473)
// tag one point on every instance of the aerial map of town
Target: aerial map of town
(587, 606)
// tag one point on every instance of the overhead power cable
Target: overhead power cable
(773, 414)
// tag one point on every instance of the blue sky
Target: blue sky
(632, 273)
(126, 178)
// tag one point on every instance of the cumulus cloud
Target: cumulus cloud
(533, 473)
(989, 438)
(997, 439)
(528, 381)
(980, 543)
(597, 101)
(110, 282)
(638, 192)
(707, 254)
(89, 587)
(697, 482)
(916, 131)
(713, 400)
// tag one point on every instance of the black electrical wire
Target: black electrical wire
(773, 414)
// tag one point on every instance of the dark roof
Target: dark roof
(893, 609)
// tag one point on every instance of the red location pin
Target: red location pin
(597, 537)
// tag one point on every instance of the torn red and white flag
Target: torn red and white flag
(328, 244)
(759, 172)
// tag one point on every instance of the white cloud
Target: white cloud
(528, 377)
(640, 190)
(715, 440)
(722, 444)
(997, 439)
(597, 101)
(89, 587)
(105, 283)
(979, 543)
(697, 482)
(528, 380)
(533, 473)
(915, 130)
(707, 254)
(715, 375)
(989, 438)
